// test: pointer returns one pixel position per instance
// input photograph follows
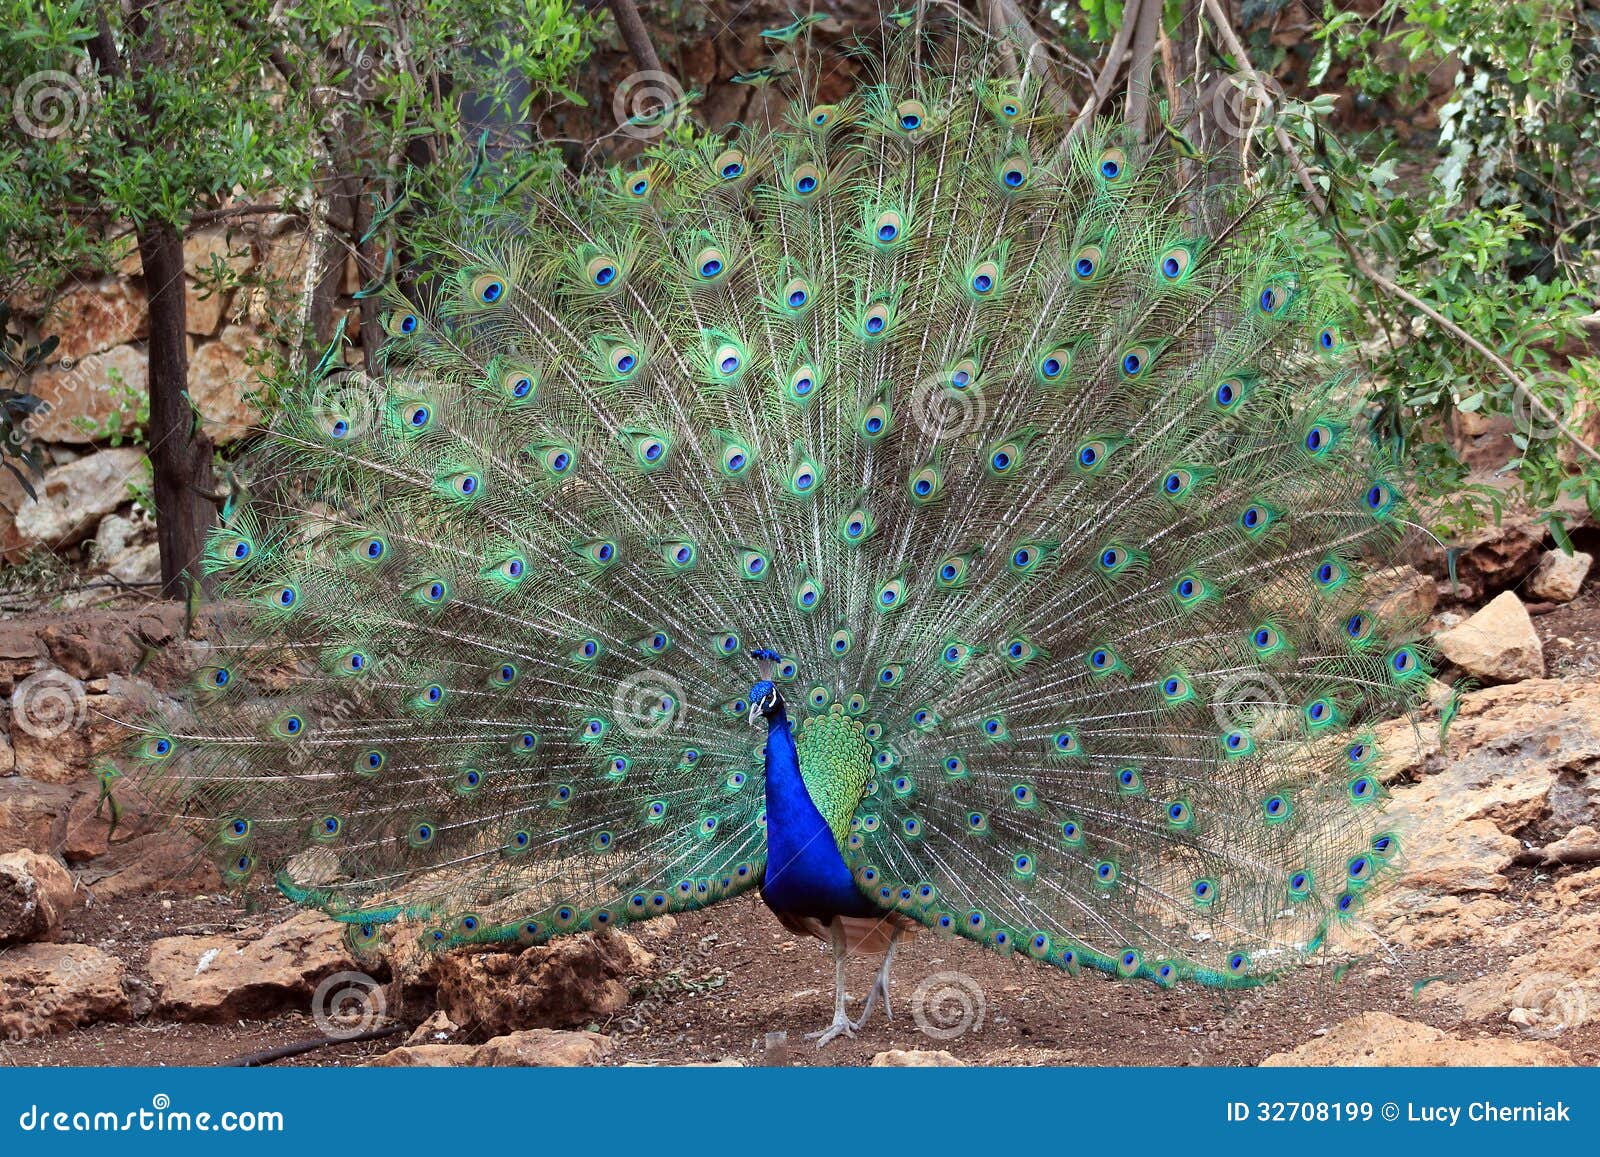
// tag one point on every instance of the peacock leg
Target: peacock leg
(841, 1022)
(880, 985)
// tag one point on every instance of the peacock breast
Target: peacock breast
(835, 764)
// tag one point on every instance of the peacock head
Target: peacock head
(764, 698)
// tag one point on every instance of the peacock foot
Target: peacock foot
(841, 1024)
(879, 992)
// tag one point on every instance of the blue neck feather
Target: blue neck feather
(805, 873)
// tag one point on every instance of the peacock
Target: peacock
(908, 507)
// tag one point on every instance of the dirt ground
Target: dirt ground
(727, 977)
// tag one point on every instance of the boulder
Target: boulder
(1559, 577)
(74, 497)
(218, 978)
(916, 1059)
(35, 892)
(1518, 767)
(92, 399)
(572, 980)
(1401, 594)
(1498, 644)
(62, 729)
(49, 988)
(1380, 1038)
(1556, 984)
(220, 378)
(540, 1047)
(32, 814)
(95, 315)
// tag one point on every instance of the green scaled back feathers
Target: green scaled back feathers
(1040, 467)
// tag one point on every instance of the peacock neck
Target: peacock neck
(805, 873)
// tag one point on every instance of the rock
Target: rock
(35, 892)
(220, 377)
(205, 248)
(217, 978)
(92, 399)
(572, 980)
(203, 307)
(32, 814)
(536, 1047)
(96, 315)
(426, 1057)
(544, 1048)
(1401, 594)
(1558, 982)
(1497, 558)
(1498, 644)
(437, 1029)
(48, 988)
(74, 497)
(916, 1059)
(1559, 577)
(62, 730)
(1579, 846)
(1379, 1038)
(1518, 767)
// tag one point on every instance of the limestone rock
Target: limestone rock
(203, 308)
(1379, 1038)
(35, 892)
(220, 377)
(96, 315)
(1401, 594)
(569, 981)
(48, 988)
(62, 729)
(1519, 767)
(916, 1059)
(32, 814)
(1497, 558)
(216, 978)
(91, 399)
(1558, 982)
(535, 1047)
(1559, 577)
(73, 498)
(1498, 644)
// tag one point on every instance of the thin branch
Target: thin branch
(1140, 69)
(635, 35)
(1296, 162)
(1108, 71)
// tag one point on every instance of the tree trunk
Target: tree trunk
(180, 454)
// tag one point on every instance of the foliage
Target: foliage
(1500, 235)
(247, 100)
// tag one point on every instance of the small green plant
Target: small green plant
(128, 412)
